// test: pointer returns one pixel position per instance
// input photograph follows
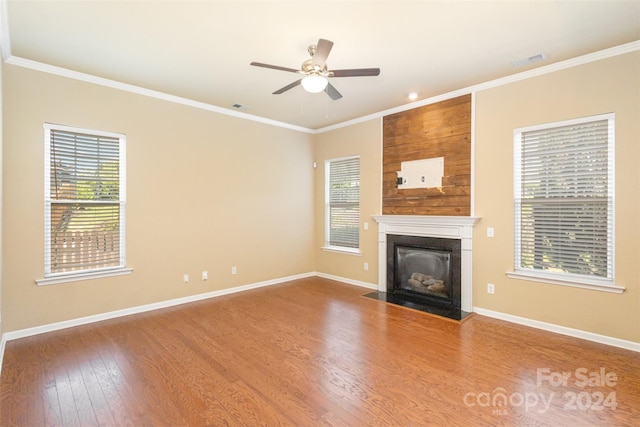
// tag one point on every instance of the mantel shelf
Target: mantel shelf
(455, 221)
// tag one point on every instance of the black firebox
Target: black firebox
(425, 269)
(424, 273)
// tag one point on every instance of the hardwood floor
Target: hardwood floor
(313, 352)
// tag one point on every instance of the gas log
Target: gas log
(426, 282)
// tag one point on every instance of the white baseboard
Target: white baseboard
(22, 333)
(144, 308)
(348, 281)
(3, 344)
(629, 345)
(576, 333)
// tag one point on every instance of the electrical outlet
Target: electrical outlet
(491, 289)
(205, 275)
(234, 270)
(185, 278)
(366, 265)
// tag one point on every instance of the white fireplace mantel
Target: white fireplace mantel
(447, 227)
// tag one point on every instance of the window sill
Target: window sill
(53, 280)
(563, 281)
(342, 250)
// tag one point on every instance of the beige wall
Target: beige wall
(205, 191)
(364, 140)
(610, 85)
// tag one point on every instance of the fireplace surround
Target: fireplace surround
(410, 231)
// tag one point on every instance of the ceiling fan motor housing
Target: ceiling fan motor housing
(309, 68)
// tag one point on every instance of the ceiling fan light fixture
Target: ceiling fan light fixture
(316, 73)
(314, 83)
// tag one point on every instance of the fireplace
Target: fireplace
(435, 263)
(425, 269)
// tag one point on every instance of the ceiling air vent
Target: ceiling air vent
(529, 60)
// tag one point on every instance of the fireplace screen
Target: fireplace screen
(425, 271)
(424, 268)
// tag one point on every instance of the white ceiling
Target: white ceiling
(201, 50)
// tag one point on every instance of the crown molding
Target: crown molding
(63, 72)
(89, 78)
(547, 69)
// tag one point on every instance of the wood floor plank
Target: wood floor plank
(133, 369)
(95, 394)
(51, 407)
(120, 415)
(312, 352)
(253, 363)
(68, 408)
(30, 381)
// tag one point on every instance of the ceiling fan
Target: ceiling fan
(316, 73)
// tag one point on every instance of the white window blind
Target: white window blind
(84, 200)
(564, 176)
(343, 202)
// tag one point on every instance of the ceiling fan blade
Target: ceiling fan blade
(333, 92)
(274, 67)
(356, 72)
(287, 87)
(322, 51)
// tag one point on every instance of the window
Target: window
(342, 194)
(84, 203)
(564, 201)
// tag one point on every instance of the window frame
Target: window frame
(327, 229)
(93, 273)
(566, 278)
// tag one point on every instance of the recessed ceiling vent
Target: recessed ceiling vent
(529, 60)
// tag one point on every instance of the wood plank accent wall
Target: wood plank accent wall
(442, 129)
